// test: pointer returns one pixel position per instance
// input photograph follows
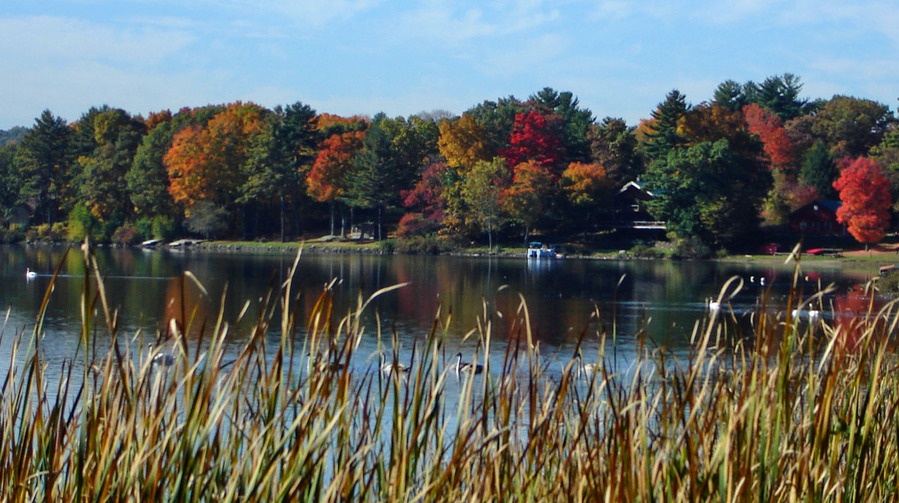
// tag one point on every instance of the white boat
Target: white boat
(537, 249)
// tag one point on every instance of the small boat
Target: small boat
(537, 249)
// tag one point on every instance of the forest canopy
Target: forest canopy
(507, 169)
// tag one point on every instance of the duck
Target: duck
(321, 365)
(29, 274)
(161, 358)
(467, 367)
(389, 367)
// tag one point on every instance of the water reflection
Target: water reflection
(556, 304)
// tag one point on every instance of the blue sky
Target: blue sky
(619, 57)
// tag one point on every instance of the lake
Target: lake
(569, 301)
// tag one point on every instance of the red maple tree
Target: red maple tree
(535, 138)
(767, 125)
(865, 193)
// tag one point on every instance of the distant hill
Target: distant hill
(13, 135)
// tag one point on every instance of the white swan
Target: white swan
(29, 274)
(585, 370)
(389, 368)
(466, 367)
(714, 305)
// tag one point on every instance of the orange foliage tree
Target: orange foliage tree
(329, 178)
(206, 163)
(528, 198)
(865, 193)
(587, 187)
(768, 126)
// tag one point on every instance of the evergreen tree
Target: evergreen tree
(44, 162)
(663, 136)
(374, 183)
(819, 170)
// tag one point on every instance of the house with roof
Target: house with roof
(630, 208)
(817, 218)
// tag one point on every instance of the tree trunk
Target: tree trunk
(283, 221)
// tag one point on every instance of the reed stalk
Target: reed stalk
(791, 411)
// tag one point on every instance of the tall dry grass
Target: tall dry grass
(792, 411)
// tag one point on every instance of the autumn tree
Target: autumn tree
(425, 202)
(576, 122)
(481, 192)
(769, 128)
(117, 136)
(588, 190)
(148, 180)
(851, 126)
(329, 179)
(497, 118)
(535, 137)
(529, 198)
(864, 191)
(208, 163)
(462, 142)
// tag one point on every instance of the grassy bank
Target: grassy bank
(798, 410)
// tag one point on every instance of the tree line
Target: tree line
(508, 168)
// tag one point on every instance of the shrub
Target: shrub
(643, 250)
(163, 227)
(13, 234)
(42, 232)
(126, 235)
(81, 223)
(423, 245)
(387, 245)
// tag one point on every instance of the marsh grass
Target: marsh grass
(790, 411)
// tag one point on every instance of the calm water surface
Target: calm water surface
(660, 299)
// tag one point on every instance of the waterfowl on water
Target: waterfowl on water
(319, 364)
(714, 305)
(467, 367)
(389, 367)
(29, 274)
(584, 369)
(161, 358)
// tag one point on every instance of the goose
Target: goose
(389, 368)
(29, 274)
(467, 367)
